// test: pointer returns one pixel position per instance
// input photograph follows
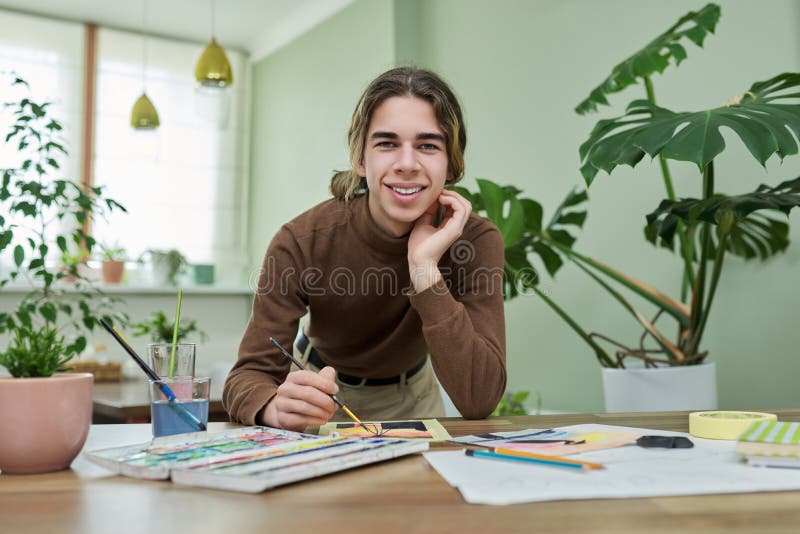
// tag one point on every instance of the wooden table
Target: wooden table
(400, 495)
(129, 402)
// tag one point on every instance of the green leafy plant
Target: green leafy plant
(41, 215)
(766, 118)
(112, 253)
(160, 329)
(655, 56)
(71, 262)
(529, 239)
(520, 221)
(170, 262)
(35, 352)
(513, 403)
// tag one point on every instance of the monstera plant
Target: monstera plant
(765, 117)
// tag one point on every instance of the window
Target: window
(49, 56)
(182, 183)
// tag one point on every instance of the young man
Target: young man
(393, 268)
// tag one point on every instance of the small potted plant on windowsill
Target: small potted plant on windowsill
(166, 265)
(74, 265)
(113, 263)
(45, 413)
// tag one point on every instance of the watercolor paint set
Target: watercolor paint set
(251, 459)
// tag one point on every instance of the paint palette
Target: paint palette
(250, 459)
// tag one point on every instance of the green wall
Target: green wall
(519, 68)
(303, 99)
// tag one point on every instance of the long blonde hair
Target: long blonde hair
(402, 81)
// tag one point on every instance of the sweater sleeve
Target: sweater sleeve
(464, 325)
(278, 305)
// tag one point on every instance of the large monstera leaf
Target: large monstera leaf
(520, 221)
(750, 233)
(755, 236)
(655, 56)
(766, 118)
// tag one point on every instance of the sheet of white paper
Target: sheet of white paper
(710, 467)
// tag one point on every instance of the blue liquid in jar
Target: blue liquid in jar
(168, 421)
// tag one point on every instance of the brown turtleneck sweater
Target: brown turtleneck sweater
(334, 262)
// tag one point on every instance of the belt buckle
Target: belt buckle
(359, 385)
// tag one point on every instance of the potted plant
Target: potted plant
(513, 403)
(73, 263)
(46, 414)
(113, 263)
(766, 118)
(166, 264)
(160, 328)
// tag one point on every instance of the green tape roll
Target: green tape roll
(724, 424)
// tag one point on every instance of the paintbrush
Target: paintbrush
(344, 408)
(175, 334)
(182, 411)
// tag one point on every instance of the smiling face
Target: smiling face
(405, 162)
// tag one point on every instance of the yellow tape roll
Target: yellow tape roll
(724, 425)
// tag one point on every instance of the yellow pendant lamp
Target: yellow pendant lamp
(213, 69)
(144, 115)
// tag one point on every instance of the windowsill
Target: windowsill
(113, 289)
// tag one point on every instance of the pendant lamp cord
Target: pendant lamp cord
(213, 18)
(144, 46)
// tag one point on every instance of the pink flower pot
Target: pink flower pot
(113, 271)
(43, 421)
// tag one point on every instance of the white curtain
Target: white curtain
(49, 56)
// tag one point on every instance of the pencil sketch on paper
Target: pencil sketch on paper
(556, 441)
(711, 467)
(425, 429)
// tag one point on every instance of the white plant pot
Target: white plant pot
(640, 389)
(160, 270)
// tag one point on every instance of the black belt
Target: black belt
(350, 380)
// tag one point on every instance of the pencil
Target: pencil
(182, 411)
(524, 454)
(299, 364)
(556, 462)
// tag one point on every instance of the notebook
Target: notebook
(771, 444)
(427, 429)
(250, 460)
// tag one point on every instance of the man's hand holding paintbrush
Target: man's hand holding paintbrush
(304, 399)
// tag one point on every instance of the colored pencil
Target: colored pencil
(182, 411)
(344, 408)
(525, 454)
(558, 462)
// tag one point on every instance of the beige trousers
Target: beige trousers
(415, 398)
